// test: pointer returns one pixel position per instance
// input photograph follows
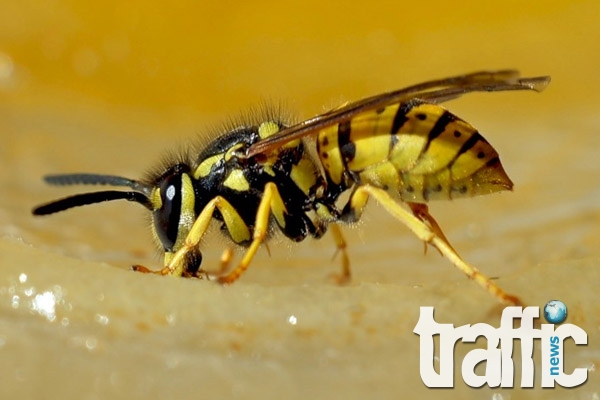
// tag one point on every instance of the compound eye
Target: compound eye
(166, 218)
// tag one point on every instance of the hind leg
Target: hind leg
(426, 229)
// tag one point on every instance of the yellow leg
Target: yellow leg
(341, 245)
(271, 199)
(235, 225)
(225, 260)
(176, 263)
(429, 235)
(421, 211)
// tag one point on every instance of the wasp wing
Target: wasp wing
(435, 91)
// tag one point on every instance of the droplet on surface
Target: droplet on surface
(91, 342)
(45, 304)
(102, 319)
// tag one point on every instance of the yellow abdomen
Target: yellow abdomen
(416, 150)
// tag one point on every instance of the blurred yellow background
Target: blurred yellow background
(110, 86)
(212, 57)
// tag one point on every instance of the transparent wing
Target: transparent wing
(435, 91)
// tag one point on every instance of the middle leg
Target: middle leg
(341, 245)
(271, 202)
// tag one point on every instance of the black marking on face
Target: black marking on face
(166, 218)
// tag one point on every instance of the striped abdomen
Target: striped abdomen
(417, 150)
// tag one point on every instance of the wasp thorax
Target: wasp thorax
(173, 200)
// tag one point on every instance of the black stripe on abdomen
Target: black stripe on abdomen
(346, 146)
(439, 128)
(401, 115)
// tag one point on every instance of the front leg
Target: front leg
(186, 260)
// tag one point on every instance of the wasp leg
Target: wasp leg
(179, 262)
(225, 260)
(143, 269)
(429, 235)
(421, 211)
(341, 245)
(271, 202)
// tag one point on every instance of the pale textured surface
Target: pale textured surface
(108, 90)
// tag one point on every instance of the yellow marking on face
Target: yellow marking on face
(236, 181)
(187, 215)
(188, 198)
(205, 166)
(304, 175)
(155, 199)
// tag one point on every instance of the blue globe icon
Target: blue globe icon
(555, 312)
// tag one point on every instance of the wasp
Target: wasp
(400, 148)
